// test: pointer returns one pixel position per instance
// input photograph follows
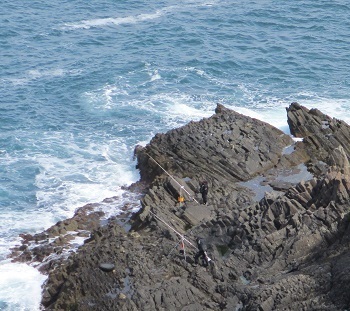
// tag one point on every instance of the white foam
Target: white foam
(147, 139)
(274, 111)
(134, 19)
(115, 207)
(103, 22)
(89, 175)
(5, 243)
(335, 108)
(184, 111)
(77, 241)
(182, 108)
(177, 109)
(17, 222)
(155, 76)
(65, 184)
(72, 171)
(20, 287)
(35, 74)
(104, 99)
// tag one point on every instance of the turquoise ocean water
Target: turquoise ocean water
(83, 82)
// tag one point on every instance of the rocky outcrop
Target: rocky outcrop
(228, 146)
(321, 134)
(276, 223)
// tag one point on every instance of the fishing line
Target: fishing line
(181, 186)
(183, 239)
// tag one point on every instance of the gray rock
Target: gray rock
(286, 250)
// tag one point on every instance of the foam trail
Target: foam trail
(132, 19)
(103, 22)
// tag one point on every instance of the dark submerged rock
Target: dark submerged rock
(288, 250)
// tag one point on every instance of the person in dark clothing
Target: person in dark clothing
(202, 252)
(204, 191)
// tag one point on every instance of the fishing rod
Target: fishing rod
(186, 234)
(178, 233)
(181, 186)
(183, 239)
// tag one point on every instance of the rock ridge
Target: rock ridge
(284, 249)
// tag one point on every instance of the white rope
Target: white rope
(181, 186)
(178, 233)
(181, 236)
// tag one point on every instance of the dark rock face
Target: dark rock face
(286, 249)
(229, 146)
(321, 133)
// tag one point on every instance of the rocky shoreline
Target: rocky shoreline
(276, 223)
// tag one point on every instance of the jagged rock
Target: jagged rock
(227, 145)
(338, 159)
(288, 250)
(321, 134)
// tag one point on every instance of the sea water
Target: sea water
(83, 82)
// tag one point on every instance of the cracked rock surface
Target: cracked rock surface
(276, 223)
